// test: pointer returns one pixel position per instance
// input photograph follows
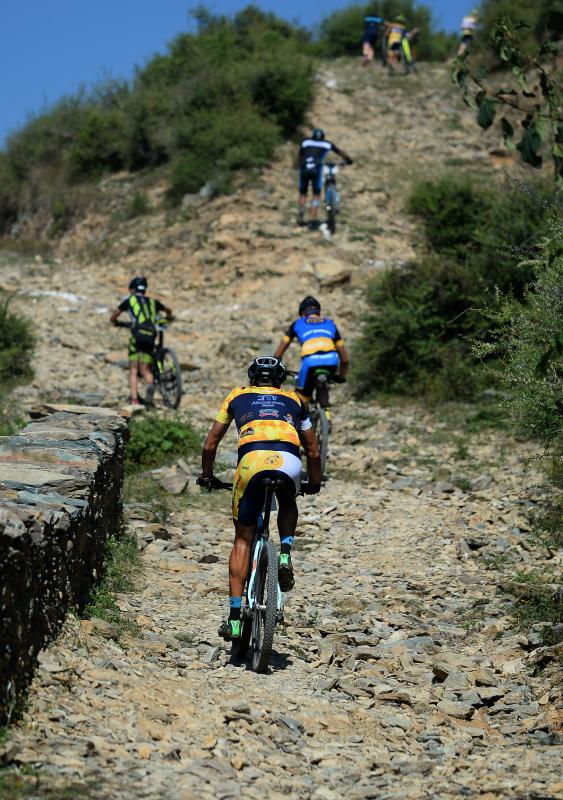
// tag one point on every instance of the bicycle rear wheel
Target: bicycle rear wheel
(321, 430)
(264, 612)
(330, 200)
(170, 378)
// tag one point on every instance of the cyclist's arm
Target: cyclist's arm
(344, 360)
(161, 307)
(311, 448)
(342, 154)
(282, 347)
(216, 433)
(114, 316)
(288, 337)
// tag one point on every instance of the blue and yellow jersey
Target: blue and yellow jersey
(315, 334)
(266, 418)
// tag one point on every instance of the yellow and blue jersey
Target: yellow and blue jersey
(315, 334)
(266, 418)
(397, 32)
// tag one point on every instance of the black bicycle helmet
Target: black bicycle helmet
(318, 135)
(309, 303)
(138, 284)
(267, 369)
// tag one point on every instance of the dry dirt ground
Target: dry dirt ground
(398, 672)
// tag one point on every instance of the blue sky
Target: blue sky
(51, 47)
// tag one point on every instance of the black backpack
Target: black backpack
(144, 332)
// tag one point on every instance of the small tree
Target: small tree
(531, 95)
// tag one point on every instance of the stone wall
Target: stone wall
(60, 499)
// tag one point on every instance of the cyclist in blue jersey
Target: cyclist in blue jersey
(321, 346)
(371, 30)
(312, 153)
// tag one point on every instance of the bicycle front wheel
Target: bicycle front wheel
(330, 201)
(169, 378)
(321, 430)
(265, 610)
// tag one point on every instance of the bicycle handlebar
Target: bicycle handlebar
(215, 484)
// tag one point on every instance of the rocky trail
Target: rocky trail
(398, 672)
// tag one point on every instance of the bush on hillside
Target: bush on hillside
(155, 441)
(416, 338)
(17, 343)
(341, 32)
(529, 344)
(218, 101)
(543, 20)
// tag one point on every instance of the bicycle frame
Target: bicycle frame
(261, 537)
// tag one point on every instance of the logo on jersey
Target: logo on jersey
(274, 460)
(247, 432)
(268, 412)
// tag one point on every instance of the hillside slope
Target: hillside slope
(398, 673)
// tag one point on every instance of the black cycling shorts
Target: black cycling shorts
(312, 176)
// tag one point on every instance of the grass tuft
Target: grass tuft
(122, 567)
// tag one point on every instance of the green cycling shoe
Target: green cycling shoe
(285, 573)
(230, 629)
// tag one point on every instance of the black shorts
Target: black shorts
(311, 375)
(249, 491)
(466, 38)
(312, 176)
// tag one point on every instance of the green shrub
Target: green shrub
(17, 344)
(122, 566)
(98, 145)
(543, 20)
(138, 205)
(529, 346)
(342, 31)
(423, 318)
(154, 441)
(218, 143)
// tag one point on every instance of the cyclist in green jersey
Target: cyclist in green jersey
(143, 312)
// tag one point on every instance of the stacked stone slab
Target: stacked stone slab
(61, 484)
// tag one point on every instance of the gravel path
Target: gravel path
(398, 672)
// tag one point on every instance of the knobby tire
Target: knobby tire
(320, 428)
(264, 621)
(170, 379)
(331, 210)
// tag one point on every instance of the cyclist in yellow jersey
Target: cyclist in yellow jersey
(396, 32)
(143, 312)
(272, 424)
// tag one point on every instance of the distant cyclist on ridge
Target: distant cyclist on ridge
(312, 153)
(372, 25)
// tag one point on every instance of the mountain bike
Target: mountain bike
(165, 365)
(332, 197)
(318, 407)
(262, 602)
